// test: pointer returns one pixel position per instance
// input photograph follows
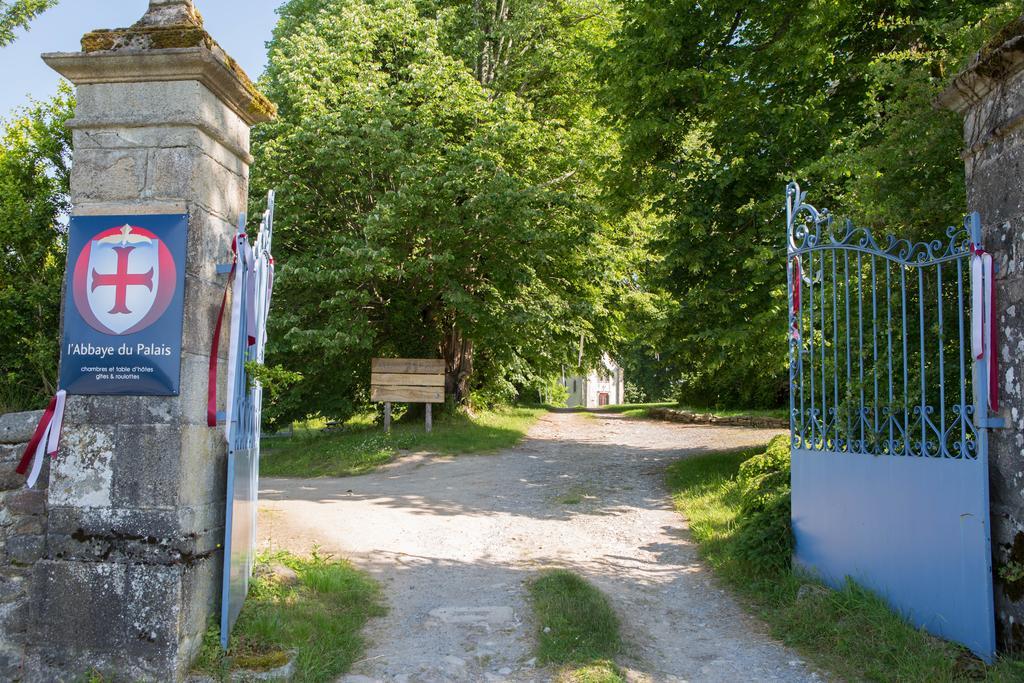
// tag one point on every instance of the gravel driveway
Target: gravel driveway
(454, 541)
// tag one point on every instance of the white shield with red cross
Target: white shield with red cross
(124, 280)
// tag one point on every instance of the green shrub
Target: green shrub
(764, 535)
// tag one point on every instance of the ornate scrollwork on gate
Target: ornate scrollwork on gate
(879, 357)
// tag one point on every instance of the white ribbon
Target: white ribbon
(244, 287)
(37, 460)
(983, 319)
(243, 272)
(981, 327)
(977, 307)
(53, 440)
(50, 443)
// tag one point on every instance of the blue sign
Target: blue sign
(124, 305)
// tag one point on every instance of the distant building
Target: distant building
(602, 387)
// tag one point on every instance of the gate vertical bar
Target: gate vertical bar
(835, 352)
(889, 416)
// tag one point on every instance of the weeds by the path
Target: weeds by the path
(313, 608)
(577, 628)
(361, 448)
(850, 633)
(643, 411)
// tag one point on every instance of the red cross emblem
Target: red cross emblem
(124, 280)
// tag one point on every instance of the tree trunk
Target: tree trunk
(457, 352)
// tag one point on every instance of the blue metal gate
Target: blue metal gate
(252, 287)
(889, 419)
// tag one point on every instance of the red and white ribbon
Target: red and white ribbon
(45, 440)
(983, 318)
(796, 272)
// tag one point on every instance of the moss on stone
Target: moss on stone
(996, 57)
(1014, 29)
(263, 661)
(197, 17)
(155, 38)
(1014, 588)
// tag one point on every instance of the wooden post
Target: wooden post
(430, 417)
(387, 417)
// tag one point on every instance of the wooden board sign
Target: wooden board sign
(407, 380)
(408, 366)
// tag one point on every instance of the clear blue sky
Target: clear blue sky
(242, 27)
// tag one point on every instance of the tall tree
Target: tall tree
(423, 211)
(722, 102)
(35, 156)
(15, 14)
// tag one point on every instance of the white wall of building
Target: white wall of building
(587, 391)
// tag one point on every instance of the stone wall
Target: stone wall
(990, 95)
(22, 540)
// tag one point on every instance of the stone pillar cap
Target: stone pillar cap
(167, 44)
(171, 13)
(1000, 59)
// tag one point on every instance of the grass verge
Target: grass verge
(643, 411)
(577, 628)
(313, 607)
(851, 632)
(364, 447)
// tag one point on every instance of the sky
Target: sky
(242, 27)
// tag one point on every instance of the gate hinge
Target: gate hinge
(994, 423)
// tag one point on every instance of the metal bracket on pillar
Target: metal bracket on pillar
(995, 423)
(224, 268)
(222, 417)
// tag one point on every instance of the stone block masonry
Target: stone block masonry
(23, 523)
(990, 95)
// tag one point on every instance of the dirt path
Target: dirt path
(454, 540)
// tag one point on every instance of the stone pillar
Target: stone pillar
(990, 95)
(130, 575)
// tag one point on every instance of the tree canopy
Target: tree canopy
(722, 103)
(440, 194)
(15, 14)
(35, 157)
(520, 186)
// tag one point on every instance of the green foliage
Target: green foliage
(850, 633)
(1012, 571)
(548, 391)
(575, 622)
(15, 14)
(426, 210)
(764, 536)
(650, 377)
(35, 155)
(318, 614)
(275, 380)
(722, 102)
